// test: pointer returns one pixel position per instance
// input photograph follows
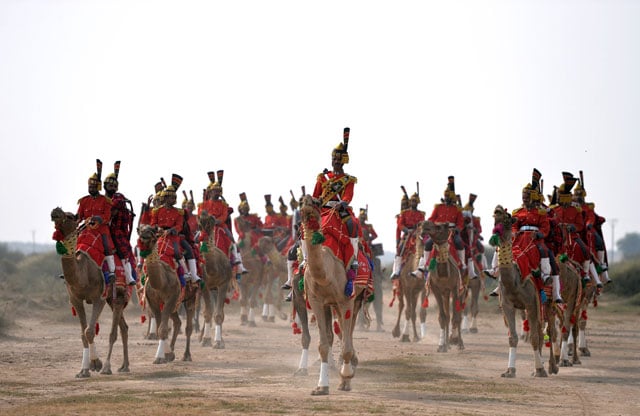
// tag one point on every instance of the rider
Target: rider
(592, 232)
(296, 237)
(406, 224)
(446, 212)
(335, 190)
(121, 224)
(471, 235)
(95, 210)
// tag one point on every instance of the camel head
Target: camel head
(206, 222)
(65, 222)
(501, 225)
(148, 236)
(310, 209)
(439, 232)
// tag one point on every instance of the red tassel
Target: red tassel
(97, 328)
(485, 297)
(336, 327)
(525, 325)
(347, 314)
(458, 306)
(308, 306)
(73, 311)
(143, 319)
(161, 307)
(584, 315)
(227, 301)
(572, 320)
(595, 302)
(236, 295)
(425, 303)
(547, 344)
(564, 329)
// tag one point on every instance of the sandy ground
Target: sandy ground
(254, 374)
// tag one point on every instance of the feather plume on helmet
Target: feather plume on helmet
(112, 178)
(95, 179)
(341, 150)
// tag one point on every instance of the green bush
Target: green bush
(626, 278)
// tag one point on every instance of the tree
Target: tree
(629, 245)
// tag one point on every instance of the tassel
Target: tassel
(336, 327)
(97, 328)
(371, 298)
(227, 301)
(425, 303)
(204, 248)
(525, 325)
(572, 320)
(317, 238)
(301, 285)
(458, 307)
(144, 253)
(563, 258)
(348, 288)
(143, 319)
(494, 241)
(308, 305)
(347, 314)
(584, 315)
(236, 295)
(73, 311)
(595, 302)
(543, 297)
(433, 264)
(60, 248)
(547, 342)
(564, 329)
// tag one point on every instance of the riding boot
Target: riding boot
(127, 272)
(545, 268)
(593, 272)
(354, 263)
(238, 258)
(112, 267)
(585, 271)
(185, 271)
(287, 284)
(471, 268)
(193, 270)
(463, 265)
(397, 265)
(493, 272)
(603, 267)
(419, 272)
(556, 289)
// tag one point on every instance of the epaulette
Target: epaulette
(554, 206)
(154, 209)
(180, 211)
(516, 211)
(321, 177)
(107, 198)
(542, 211)
(351, 178)
(591, 205)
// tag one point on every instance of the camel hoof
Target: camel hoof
(473, 330)
(206, 342)
(554, 369)
(284, 316)
(252, 324)
(170, 356)
(272, 319)
(186, 357)
(320, 391)
(84, 373)
(106, 371)
(160, 361)
(540, 372)
(565, 363)
(301, 372)
(576, 361)
(123, 369)
(152, 337)
(96, 365)
(510, 373)
(585, 352)
(405, 338)
(219, 345)
(395, 332)
(265, 319)
(345, 386)
(442, 348)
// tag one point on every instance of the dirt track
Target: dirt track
(254, 374)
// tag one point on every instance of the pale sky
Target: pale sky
(482, 90)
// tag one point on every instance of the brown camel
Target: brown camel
(217, 274)
(249, 285)
(411, 292)
(570, 283)
(274, 275)
(445, 281)
(472, 307)
(162, 293)
(324, 283)
(85, 283)
(518, 294)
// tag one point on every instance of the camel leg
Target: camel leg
(414, 315)
(177, 325)
(423, 315)
(190, 307)
(90, 332)
(510, 320)
(322, 389)
(124, 334)
(113, 335)
(82, 317)
(396, 329)
(303, 318)
(205, 337)
(552, 334)
(537, 339)
(218, 317)
(163, 333)
(347, 371)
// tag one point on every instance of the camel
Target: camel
(411, 291)
(324, 283)
(445, 282)
(217, 274)
(474, 287)
(571, 292)
(274, 275)
(162, 293)
(85, 283)
(517, 293)
(249, 285)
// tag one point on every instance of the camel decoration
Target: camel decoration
(410, 291)
(324, 284)
(217, 274)
(517, 293)
(163, 296)
(445, 282)
(85, 284)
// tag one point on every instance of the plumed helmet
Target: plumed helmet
(176, 181)
(564, 191)
(283, 206)
(112, 178)
(579, 190)
(450, 191)
(95, 179)
(293, 202)
(469, 206)
(244, 204)
(267, 201)
(341, 148)
(404, 202)
(533, 188)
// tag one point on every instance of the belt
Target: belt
(332, 204)
(529, 228)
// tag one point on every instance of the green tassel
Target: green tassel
(317, 238)
(563, 258)
(241, 244)
(371, 298)
(60, 248)
(536, 273)
(433, 264)
(143, 279)
(494, 241)
(204, 247)
(144, 253)
(598, 268)
(301, 285)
